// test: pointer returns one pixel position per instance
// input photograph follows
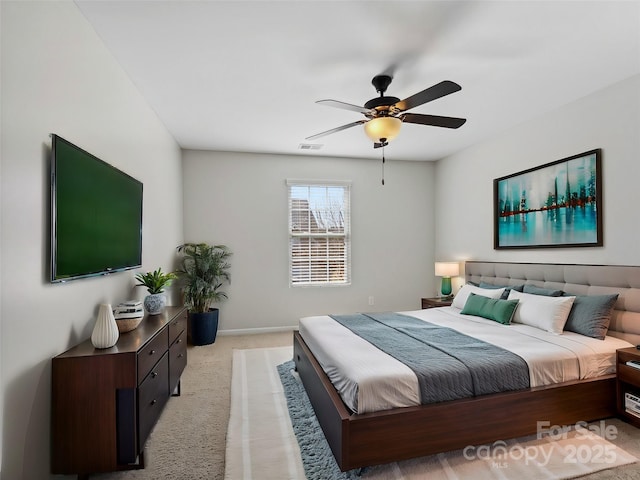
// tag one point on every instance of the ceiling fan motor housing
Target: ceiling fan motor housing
(381, 104)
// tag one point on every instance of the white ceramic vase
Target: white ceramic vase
(105, 332)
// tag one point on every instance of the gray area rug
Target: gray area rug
(317, 459)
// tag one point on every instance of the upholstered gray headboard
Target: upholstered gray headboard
(574, 279)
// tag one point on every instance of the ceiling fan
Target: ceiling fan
(384, 115)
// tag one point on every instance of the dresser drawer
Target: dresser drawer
(151, 353)
(177, 360)
(177, 326)
(153, 393)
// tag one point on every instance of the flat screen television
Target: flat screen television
(96, 215)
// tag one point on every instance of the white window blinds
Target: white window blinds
(319, 233)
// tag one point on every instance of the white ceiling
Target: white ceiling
(244, 76)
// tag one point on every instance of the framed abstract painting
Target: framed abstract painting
(558, 204)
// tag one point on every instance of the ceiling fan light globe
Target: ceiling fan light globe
(382, 127)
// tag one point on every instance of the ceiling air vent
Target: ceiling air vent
(310, 146)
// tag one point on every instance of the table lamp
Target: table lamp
(446, 270)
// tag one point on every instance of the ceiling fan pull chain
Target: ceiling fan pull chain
(383, 166)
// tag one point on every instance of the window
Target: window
(319, 236)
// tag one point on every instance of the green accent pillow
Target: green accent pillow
(590, 315)
(532, 289)
(495, 309)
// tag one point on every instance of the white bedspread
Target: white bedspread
(369, 380)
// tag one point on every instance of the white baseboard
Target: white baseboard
(253, 331)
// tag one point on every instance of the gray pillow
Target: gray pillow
(590, 315)
(542, 291)
(507, 288)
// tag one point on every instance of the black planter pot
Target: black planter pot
(203, 327)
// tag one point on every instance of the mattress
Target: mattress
(369, 380)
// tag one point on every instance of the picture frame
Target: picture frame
(533, 210)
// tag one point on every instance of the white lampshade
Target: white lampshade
(382, 127)
(447, 269)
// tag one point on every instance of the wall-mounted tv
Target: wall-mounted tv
(96, 215)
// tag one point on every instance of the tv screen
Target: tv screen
(96, 215)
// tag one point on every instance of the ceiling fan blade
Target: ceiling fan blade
(432, 93)
(433, 120)
(346, 106)
(337, 129)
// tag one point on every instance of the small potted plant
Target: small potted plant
(203, 271)
(155, 282)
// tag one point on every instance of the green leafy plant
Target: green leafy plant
(203, 270)
(155, 281)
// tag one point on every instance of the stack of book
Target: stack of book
(632, 404)
(128, 309)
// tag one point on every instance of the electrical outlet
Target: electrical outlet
(371, 300)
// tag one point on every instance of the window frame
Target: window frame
(346, 235)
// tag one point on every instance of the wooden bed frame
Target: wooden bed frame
(359, 440)
(402, 433)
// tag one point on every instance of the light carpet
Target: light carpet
(261, 442)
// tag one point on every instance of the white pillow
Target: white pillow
(463, 294)
(540, 311)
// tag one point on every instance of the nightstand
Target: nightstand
(627, 381)
(434, 302)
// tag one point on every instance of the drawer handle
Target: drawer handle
(154, 401)
(154, 374)
(179, 341)
(180, 356)
(152, 352)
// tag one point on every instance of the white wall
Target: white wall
(609, 119)
(58, 77)
(241, 200)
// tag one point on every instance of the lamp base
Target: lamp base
(445, 288)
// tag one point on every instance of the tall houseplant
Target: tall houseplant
(203, 270)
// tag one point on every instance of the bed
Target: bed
(395, 433)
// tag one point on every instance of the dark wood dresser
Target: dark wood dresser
(105, 402)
